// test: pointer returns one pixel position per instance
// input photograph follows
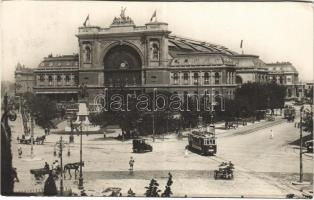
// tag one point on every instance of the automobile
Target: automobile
(140, 146)
(225, 171)
(309, 146)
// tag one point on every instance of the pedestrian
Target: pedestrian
(46, 167)
(186, 151)
(19, 150)
(131, 163)
(50, 188)
(271, 134)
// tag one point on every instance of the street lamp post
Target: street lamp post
(153, 126)
(61, 180)
(59, 144)
(153, 113)
(80, 186)
(301, 141)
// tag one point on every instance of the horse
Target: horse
(40, 139)
(70, 166)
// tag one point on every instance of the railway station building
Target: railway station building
(124, 56)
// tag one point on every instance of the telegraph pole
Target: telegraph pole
(32, 136)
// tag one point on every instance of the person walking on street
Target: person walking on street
(271, 134)
(46, 167)
(131, 163)
(186, 151)
(19, 150)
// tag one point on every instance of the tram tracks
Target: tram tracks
(250, 129)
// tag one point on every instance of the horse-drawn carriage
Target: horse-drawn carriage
(28, 140)
(41, 172)
(225, 171)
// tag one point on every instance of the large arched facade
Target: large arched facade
(122, 66)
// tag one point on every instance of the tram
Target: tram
(203, 142)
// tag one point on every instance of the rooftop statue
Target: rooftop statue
(122, 14)
(122, 20)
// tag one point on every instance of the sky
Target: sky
(276, 31)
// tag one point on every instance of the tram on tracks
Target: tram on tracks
(203, 141)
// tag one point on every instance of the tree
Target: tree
(50, 188)
(152, 190)
(168, 192)
(308, 122)
(41, 108)
(260, 96)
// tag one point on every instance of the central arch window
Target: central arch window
(122, 62)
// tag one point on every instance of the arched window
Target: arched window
(176, 78)
(67, 79)
(239, 80)
(110, 81)
(217, 78)
(195, 77)
(41, 78)
(50, 79)
(59, 80)
(206, 78)
(186, 78)
(76, 80)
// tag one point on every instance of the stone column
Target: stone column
(63, 82)
(46, 81)
(201, 78)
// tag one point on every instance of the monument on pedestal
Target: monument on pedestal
(82, 122)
